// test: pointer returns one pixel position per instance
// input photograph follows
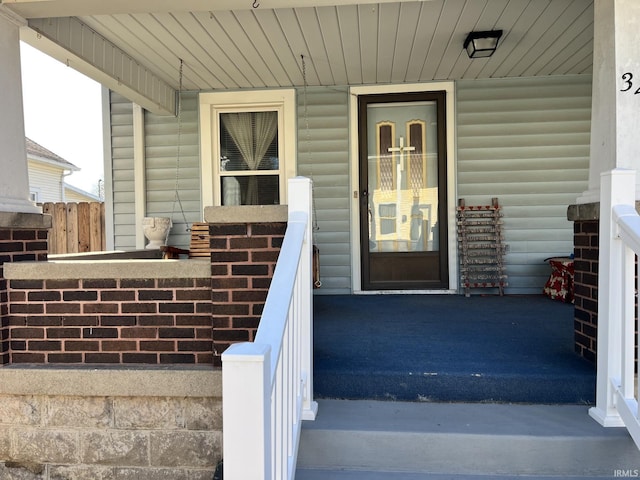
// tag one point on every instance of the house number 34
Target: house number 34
(627, 83)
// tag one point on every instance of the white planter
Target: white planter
(156, 229)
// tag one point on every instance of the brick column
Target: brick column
(586, 287)
(586, 218)
(243, 259)
(23, 237)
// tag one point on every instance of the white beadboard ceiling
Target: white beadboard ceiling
(350, 43)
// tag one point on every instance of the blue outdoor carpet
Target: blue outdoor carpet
(448, 348)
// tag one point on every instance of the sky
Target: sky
(63, 113)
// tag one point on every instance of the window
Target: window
(248, 146)
(34, 195)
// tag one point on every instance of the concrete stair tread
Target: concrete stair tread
(322, 474)
(463, 439)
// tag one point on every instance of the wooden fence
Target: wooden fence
(76, 227)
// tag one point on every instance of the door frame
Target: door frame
(452, 248)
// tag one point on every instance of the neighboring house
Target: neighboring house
(75, 194)
(377, 102)
(47, 173)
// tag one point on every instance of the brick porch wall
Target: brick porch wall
(23, 237)
(243, 259)
(110, 320)
(145, 313)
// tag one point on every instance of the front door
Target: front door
(403, 208)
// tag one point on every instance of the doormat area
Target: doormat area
(448, 348)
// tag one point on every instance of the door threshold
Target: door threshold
(406, 292)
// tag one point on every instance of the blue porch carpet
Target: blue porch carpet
(448, 348)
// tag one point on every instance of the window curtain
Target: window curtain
(252, 132)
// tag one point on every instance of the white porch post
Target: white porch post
(300, 199)
(14, 180)
(246, 411)
(615, 122)
(617, 189)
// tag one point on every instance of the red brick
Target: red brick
(139, 308)
(99, 332)
(194, 346)
(102, 358)
(64, 333)
(66, 307)
(27, 357)
(177, 358)
(176, 307)
(118, 295)
(27, 308)
(148, 358)
(83, 321)
(146, 295)
(157, 346)
(176, 333)
(119, 345)
(81, 346)
(63, 284)
(155, 320)
(44, 345)
(100, 308)
(139, 332)
(27, 333)
(64, 357)
(101, 283)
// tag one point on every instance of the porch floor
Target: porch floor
(448, 348)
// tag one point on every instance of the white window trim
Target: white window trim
(213, 103)
(34, 194)
(449, 88)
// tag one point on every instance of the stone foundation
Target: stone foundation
(108, 424)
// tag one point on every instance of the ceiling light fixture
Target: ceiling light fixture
(482, 44)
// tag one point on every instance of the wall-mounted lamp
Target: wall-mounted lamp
(482, 44)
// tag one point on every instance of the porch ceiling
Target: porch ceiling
(354, 43)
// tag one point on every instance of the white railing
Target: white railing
(616, 394)
(267, 385)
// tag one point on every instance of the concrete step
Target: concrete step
(376, 440)
(322, 474)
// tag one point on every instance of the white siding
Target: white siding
(161, 157)
(164, 168)
(74, 196)
(46, 180)
(323, 155)
(526, 141)
(122, 156)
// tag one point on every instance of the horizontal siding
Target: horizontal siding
(323, 155)
(46, 180)
(162, 170)
(124, 221)
(526, 141)
(171, 167)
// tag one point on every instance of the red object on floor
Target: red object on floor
(560, 283)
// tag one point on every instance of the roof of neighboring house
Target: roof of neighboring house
(37, 152)
(84, 193)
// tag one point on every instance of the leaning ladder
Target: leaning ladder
(481, 245)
